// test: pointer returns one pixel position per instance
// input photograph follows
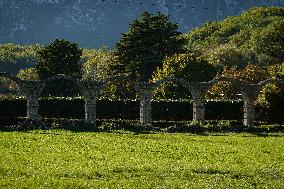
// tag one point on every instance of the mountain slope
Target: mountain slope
(101, 22)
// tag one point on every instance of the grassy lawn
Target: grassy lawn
(64, 159)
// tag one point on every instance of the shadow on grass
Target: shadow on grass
(133, 126)
(214, 171)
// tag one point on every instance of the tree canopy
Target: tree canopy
(149, 40)
(260, 29)
(60, 57)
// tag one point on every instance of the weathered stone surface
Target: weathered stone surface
(32, 90)
(91, 89)
(146, 94)
(198, 91)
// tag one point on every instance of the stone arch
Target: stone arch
(221, 81)
(250, 93)
(235, 84)
(31, 89)
(171, 79)
(13, 79)
(179, 88)
(90, 90)
(146, 91)
(198, 92)
(46, 82)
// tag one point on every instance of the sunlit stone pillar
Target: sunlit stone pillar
(146, 94)
(31, 90)
(249, 96)
(91, 108)
(249, 113)
(198, 92)
(91, 90)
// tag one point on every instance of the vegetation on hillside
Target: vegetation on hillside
(15, 57)
(248, 47)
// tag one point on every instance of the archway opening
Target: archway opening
(270, 103)
(8, 87)
(118, 102)
(172, 101)
(60, 98)
(13, 105)
(224, 103)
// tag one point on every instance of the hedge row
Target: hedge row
(127, 109)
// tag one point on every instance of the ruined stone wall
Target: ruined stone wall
(91, 89)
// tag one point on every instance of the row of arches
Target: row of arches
(90, 90)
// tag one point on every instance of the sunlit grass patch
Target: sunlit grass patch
(65, 159)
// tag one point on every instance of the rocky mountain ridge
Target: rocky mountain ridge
(94, 23)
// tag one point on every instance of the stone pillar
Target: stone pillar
(198, 92)
(198, 109)
(31, 90)
(32, 107)
(91, 108)
(249, 95)
(91, 90)
(146, 94)
(249, 113)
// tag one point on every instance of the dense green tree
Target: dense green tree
(60, 57)
(270, 41)
(142, 49)
(242, 46)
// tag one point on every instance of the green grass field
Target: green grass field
(64, 159)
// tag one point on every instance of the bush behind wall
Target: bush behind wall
(73, 108)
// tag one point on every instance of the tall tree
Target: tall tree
(149, 40)
(60, 57)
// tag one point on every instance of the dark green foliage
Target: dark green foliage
(73, 108)
(12, 107)
(60, 87)
(141, 50)
(15, 57)
(224, 110)
(275, 104)
(270, 41)
(60, 57)
(257, 24)
(28, 124)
